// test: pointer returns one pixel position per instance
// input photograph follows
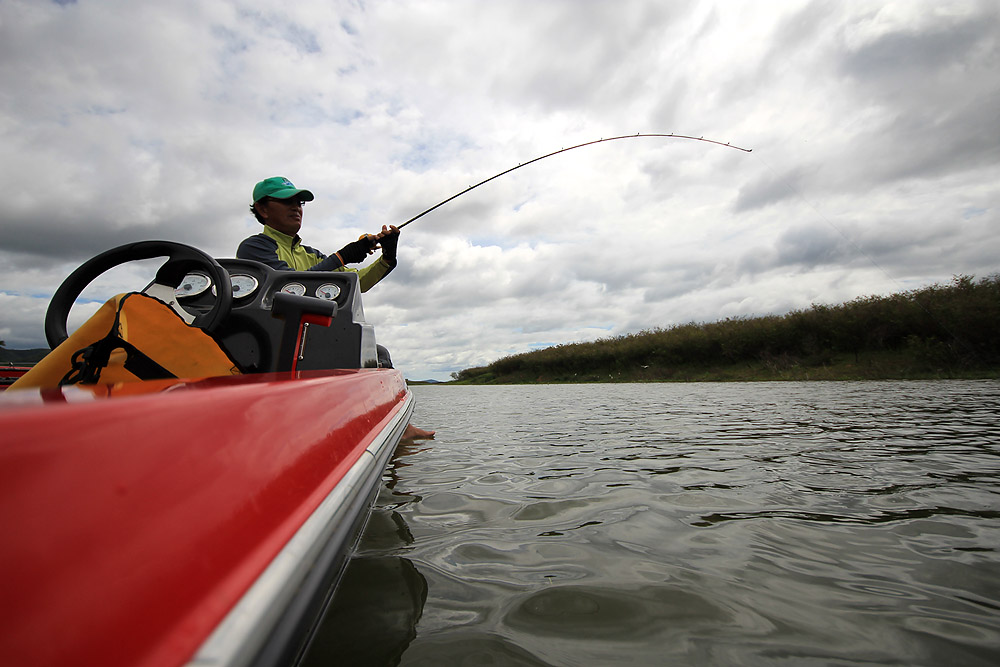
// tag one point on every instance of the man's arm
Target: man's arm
(387, 240)
(369, 275)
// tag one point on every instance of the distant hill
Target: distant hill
(941, 331)
(8, 356)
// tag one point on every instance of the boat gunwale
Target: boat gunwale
(243, 636)
(360, 406)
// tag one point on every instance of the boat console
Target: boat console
(266, 320)
(265, 302)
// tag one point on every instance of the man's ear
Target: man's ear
(261, 209)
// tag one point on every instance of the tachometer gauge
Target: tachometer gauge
(192, 285)
(328, 291)
(297, 289)
(243, 285)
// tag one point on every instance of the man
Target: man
(277, 204)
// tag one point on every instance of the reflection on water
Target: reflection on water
(821, 523)
(378, 605)
(381, 597)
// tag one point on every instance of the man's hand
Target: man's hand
(370, 241)
(389, 239)
(355, 252)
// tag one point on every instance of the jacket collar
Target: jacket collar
(281, 237)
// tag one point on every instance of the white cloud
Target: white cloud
(874, 166)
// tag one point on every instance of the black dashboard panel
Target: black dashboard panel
(252, 336)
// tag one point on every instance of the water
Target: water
(655, 524)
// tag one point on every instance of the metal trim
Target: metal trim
(245, 629)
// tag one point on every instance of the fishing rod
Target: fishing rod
(563, 150)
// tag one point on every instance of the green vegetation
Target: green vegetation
(8, 356)
(941, 331)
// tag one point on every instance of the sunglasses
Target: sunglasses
(288, 202)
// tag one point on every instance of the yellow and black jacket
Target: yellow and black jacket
(287, 253)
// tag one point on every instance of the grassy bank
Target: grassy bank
(941, 331)
(16, 357)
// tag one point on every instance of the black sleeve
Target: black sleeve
(330, 263)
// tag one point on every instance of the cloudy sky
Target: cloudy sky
(875, 129)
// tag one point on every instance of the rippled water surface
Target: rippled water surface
(652, 524)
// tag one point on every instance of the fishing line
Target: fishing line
(563, 150)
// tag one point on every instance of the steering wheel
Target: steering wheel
(182, 260)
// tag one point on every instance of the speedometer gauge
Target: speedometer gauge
(192, 285)
(297, 289)
(243, 285)
(328, 291)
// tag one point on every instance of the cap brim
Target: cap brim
(288, 193)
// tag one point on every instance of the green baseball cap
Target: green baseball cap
(279, 187)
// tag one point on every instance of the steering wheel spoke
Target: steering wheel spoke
(165, 293)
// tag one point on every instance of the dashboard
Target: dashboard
(251, 335)
(245, 285)
(254, 282)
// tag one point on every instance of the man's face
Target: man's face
(285, 215)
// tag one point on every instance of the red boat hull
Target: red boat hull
(134, 526)
(10, 374)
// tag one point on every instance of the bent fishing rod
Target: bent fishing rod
(563, 150)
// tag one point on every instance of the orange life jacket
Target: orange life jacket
(132, 337)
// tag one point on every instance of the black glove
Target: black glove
(389, 243)
(355, 252)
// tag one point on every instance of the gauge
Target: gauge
(192, 285)
(298, 289)
(243, 285)
(328, 291)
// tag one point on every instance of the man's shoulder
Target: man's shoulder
(259, 238)
(256, 242)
